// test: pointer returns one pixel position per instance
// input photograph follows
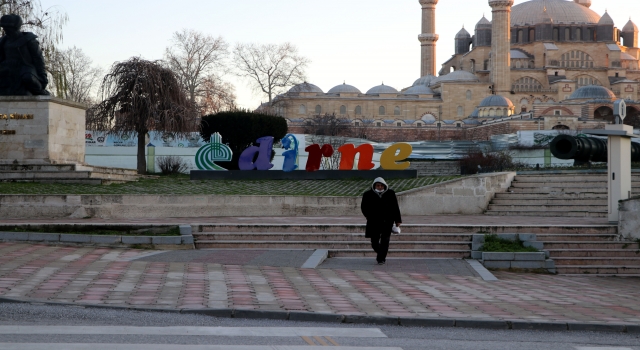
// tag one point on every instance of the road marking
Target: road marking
(206, 331)
(321, 341)
(331, 341)
(53, 346)
(308, 340)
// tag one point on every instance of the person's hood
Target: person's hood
(380, 180)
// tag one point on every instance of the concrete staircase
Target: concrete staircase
(562, 195)
(65, 173)
(579, 249)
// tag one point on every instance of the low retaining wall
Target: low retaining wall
(629, 218)
(436, 167)
(470, 195)
(467, 196)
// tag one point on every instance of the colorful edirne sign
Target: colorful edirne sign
(258, 157)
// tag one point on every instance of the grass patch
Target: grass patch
(89, 230)
(492, 243)
(182, 185)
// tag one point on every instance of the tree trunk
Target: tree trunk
(142, 162)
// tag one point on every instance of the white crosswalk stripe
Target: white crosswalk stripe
(18, 346)
(206, 331)
(308, 336)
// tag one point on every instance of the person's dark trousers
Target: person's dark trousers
(380, 244)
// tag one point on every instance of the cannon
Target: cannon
(586, 149)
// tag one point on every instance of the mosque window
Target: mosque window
(302, 109)
(396, 111)
(518, 65)
(343, 110)
(382, 110)
(318, 109)
(526, 84)
(358, 110)
(378, 124)
(579, 34)
(357, 123)
(499, 112)
(398, 124)
(567, 34)
(419, 125)
(584, 80)
(492, 112)
(576, 59)
(460, 111)
(532, 35)
(486, 64)
(469, 95)
(556, 35)
(520, 36)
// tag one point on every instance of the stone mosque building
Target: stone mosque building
(542, 64)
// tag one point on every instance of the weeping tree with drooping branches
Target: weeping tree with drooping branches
(139, 96)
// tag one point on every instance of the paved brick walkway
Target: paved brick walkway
(114, 277)
(409, 220)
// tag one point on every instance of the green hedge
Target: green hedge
(240, 129)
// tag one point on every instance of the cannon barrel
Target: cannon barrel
(585, 149)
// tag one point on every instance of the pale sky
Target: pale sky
(362, 42)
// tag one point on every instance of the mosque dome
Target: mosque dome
(484, 22)
(459, 75)
(344, 89)
(630, 27)
(418, 90)
(606, 19)
(496, 101)
(463, 34)
(585, 3)
(593, 92)
(382, 89)
(424, 80)
(305, 87)
(560, 11)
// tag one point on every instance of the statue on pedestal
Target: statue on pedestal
(22, 70)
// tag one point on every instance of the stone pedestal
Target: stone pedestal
(41, 130)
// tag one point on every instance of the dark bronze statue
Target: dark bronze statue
(22, 71)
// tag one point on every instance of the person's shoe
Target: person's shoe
(381, 262)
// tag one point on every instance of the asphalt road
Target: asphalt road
(39, 327)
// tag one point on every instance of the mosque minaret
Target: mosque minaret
(428, 38)
(501, 45)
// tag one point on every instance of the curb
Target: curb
(92, 240)
(364, 319)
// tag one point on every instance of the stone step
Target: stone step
(439, 229)
(555, 237)
(345, 245)
(597, 261)
(548, 208)
(19, 175)
(37, 167)
(594, 253)
(576, 214)
(558, 190)
(401, 253)
(526, 196)
(61, 181)
(549, 201)
(600, 245)
(106, 170)
(566, 178)
(326, 237)
(566, 184)
(612, 270)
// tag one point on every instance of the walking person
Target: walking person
(380, 207)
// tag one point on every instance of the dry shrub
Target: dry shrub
(172, 165)
(477, 161)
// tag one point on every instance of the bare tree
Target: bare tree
(198, 60)
(139, 96)
(74, 75)
(270, 68)
(328, 125)
(217, 96)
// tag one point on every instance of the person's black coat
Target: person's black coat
(381, 212)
